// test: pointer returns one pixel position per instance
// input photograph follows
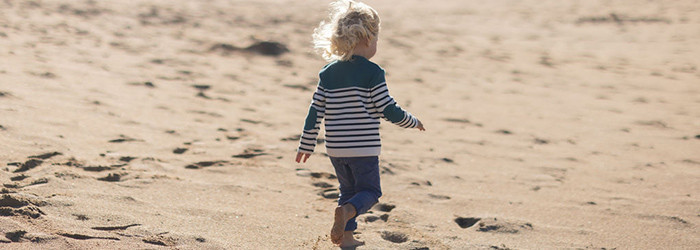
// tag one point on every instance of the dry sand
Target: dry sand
(551, 124)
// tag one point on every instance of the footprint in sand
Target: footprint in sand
(112, 228)
(127, 158)
(45, 155)
(85, 237)
(466, 222)
(112, 177)
(384, 207)
(123, 138)
(160, 240)
(331, 193)
(373, 218)
(322, 184)
(250, 153)
(179, 150)
(439, 197)
(328, 190)
(147, 84)
(34, 161)
(267, 48)
(29, 164)
(18, 205)
(15, 236)
(395, 237)
(203, 164)
(19, 177)
(42, 180)
(496, 225)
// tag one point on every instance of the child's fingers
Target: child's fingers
(299, 157)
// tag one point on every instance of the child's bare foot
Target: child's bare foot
(342, 215)
(350, 241)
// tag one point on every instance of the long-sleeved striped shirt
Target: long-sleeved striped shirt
(351, 97)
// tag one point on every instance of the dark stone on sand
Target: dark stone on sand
(45, 156)
(697, 136)
(466, 222)
(28, 165)
(179, 150)
(15, 236)
(395, 237)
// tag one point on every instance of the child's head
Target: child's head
(350, 23)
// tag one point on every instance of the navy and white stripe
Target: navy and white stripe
(352, 120)
(351, 110)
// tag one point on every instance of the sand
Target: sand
(550, 124)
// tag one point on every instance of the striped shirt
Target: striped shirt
(350, 99)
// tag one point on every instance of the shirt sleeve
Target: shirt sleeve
(386, 105)
(312, 125)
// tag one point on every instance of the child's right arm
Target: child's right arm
(317, 110)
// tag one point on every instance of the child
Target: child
(351, 95)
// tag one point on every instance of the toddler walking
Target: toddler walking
(351, 97)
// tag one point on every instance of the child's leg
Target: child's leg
(365, 171)
(347, 191)
(360, 190)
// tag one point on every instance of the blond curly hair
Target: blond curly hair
(349, 23)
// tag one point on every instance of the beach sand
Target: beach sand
(550, 124)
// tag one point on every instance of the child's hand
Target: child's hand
(299, 156)
(420, 126)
